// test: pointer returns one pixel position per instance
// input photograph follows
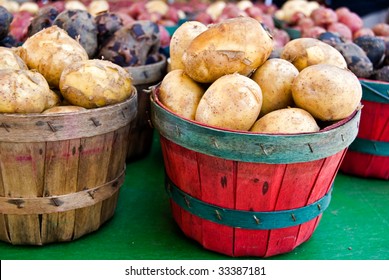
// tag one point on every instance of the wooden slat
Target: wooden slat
(182, 168)
(257, 189)
(61, 167)
(296, 187)
(217, 177)
(93, 165)
(22, 171)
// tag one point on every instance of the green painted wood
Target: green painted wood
(371, 147)
(247, 219)
(257, 147)
(375, 91)
(355, 226)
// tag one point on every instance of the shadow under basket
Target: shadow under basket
(368, 155)
(247, 194)
(61, 173)
(141, 133)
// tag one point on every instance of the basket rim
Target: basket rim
(38, 127)
(259, 147)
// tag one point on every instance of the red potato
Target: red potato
(305, 23)
(164, 35)
(381, 29)
(136, 9)
(172, 14)
(324, 16)
(280, 38)
(203, 17)
(363, 32)
(19, 25)
(254, 12)
(352, 20)
(341, 29)
(154, 17)
(296, 17)
(312, 32)
(342, 11)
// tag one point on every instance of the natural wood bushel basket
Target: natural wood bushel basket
(60, 174)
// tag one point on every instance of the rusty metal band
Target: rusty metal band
(61, 203)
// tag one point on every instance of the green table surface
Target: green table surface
(354, 227)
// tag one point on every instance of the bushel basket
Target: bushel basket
(368, 155)
(61, 173)
(141, 133)
(247, 194)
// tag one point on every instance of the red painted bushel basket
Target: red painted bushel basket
(246, 194)
(368, 155)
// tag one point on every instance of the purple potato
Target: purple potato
(5, 21)
(107, 24)
(43, 19)
(80, 25)
(132, 45)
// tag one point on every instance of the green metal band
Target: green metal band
(378, 148)
(254, 147)
(375, 92)
(247, 219)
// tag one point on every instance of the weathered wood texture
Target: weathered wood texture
(374, 127)
(252, 172)
(141, 133)
(61, 181)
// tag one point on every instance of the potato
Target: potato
(63, 109)
(95, 83)
(277, 93)
(181, 39)
(303, 52)
(287, 120)
(51, 50)
(326, 91)
(23, 91)
(236, 45)
(233, 101)
(356, 58)
(9, 60)
(180, 93)
(374, 47)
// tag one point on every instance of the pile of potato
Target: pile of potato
(52, 71)
(222, 75)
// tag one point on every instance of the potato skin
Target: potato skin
(10, 60)
(63, 109)
(23, 91)
(49, 51)
(180, 93)
(303, 52)
(287, 120)
(326, 91)
(233, 102)
(95, 83)
(356, 58)
(275, 77)
(237, 45)
(181, 39)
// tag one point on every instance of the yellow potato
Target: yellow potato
(10, 60)
(303, 52)
(236, 45)
(275, 78)
(180, 93)
(180, 41)
(287, 120)
(51, 50)
(95, 83)
(23, 91)
(326, 91)
(63, 109)
(232, 101)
